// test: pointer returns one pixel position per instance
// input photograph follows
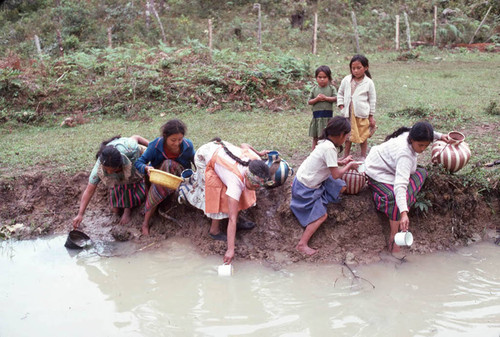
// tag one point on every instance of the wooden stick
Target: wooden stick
(259, 24)
(164, 38)
(355, 26)
(408, 38)
(210, 35)
(315, 33)
(397, 32)
(435, 26)
(480, 25)
(110, 37)
(38, 48)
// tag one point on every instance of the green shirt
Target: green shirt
(328, 91)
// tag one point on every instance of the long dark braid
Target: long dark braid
(257, 167)
(230, 154)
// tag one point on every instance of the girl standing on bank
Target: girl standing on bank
(318, 180)
(357, 99)
(321, 98)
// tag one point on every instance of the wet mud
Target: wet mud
(449, 214)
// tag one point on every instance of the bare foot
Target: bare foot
(145, 230)
(306, 249)
(395, 247)
(115, 210)
(125, 219)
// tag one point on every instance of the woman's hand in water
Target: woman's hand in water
(228, 257)
(77, 220)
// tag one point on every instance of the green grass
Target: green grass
(454, 89)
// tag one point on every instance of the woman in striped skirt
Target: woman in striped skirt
(172, 153)
(393, 175)
(115, 168)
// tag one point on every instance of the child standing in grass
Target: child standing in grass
(357, 99)
(321, 98)
(318, 180)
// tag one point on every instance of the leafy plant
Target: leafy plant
(493, 109)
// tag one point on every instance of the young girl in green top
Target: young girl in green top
(322, 97)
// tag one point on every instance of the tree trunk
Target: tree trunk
(480, 25)
(153, 9)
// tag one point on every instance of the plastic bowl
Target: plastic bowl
(77, 240)
(164, 179)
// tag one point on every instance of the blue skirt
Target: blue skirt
(309, 204)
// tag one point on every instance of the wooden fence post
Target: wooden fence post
(355, 26)
(315, 33)
(397, 32)
(148, 15)
(210, 35)
(408, 38)
(435, 25)
(259, 24)
(110, 37)
(38, 48)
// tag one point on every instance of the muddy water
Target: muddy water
(173, 291)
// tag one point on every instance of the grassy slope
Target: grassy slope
(455, 88)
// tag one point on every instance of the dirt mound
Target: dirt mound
(449, 213)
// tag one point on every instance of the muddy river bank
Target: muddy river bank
(455, 214)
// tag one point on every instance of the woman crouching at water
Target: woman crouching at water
(318, 180)
(224, 184)
(115, 168)
(171, 153)
(393, 175)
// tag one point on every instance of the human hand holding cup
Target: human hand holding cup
(225, 269)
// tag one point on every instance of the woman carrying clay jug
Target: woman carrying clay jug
(393, 176)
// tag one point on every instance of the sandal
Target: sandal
(244, 224)
(218, 237)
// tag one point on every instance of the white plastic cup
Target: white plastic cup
(361, 167)
(403, 239)
(225, 270)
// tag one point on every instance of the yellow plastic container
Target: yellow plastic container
(165, 179)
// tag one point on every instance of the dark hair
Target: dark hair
(420, 132)
(336, 126)
(257, 167)
(364, 62)
(229, 153)
(173, 127)
(109, 156)
(324, 69)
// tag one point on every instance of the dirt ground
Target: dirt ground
(33, 205)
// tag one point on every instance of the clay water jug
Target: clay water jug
(278, 168)
(355, 181)
(453, 155)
